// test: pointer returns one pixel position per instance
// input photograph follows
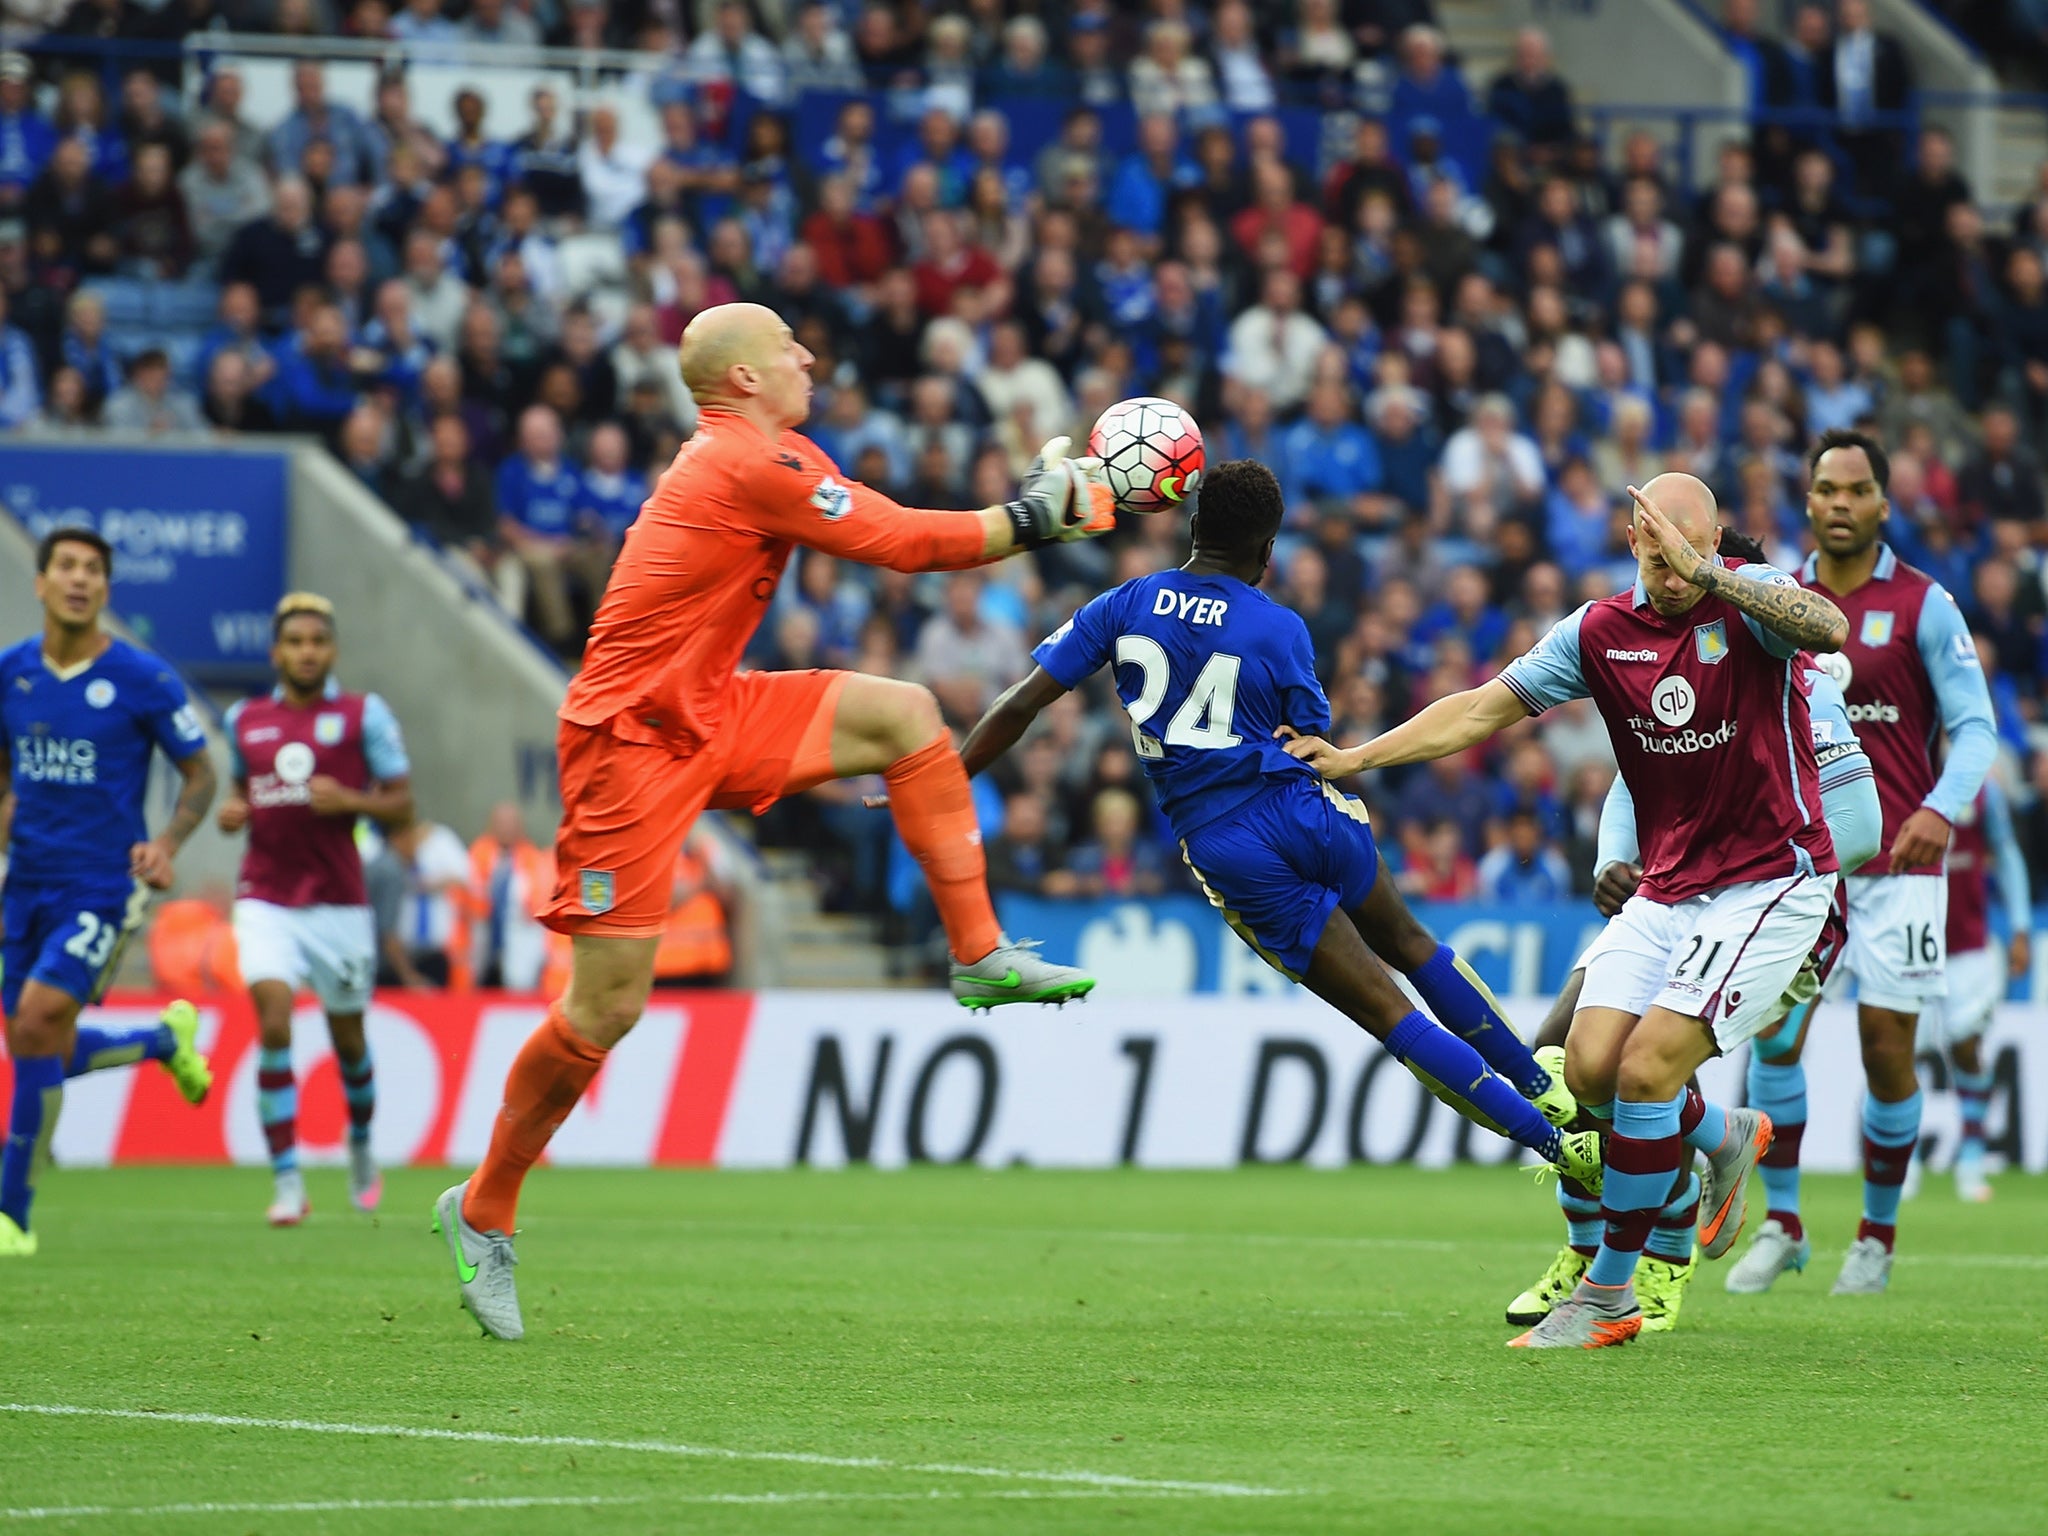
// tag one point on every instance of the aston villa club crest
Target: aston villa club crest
(1710, 641)
(329, 729)
(595, 888)
(1877, 628)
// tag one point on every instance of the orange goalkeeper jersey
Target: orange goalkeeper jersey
(701, 563)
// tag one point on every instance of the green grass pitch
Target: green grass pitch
(1271, 1350)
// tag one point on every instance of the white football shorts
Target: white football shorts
(1898, 940)
(331, 949)
(1725, 956)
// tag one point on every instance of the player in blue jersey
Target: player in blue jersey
(1214, 674)
(83, 713)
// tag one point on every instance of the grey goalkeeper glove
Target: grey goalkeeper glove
(1061, 499)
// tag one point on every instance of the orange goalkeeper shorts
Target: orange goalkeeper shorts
(627, 806)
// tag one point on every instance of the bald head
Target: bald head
(1689, 503)
(1688, 506)
(744, 356)
(721, 338)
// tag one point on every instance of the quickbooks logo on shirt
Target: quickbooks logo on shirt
(54, 760)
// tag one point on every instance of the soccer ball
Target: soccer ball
(1152, 452)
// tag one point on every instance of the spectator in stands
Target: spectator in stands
(85, 346)
(1168, 76)
(730, 53)
(817, 55)
(1918, 398)
(222, 193)
(280, 253)
(316, 120)
(450, 500)
(1524, 871)
(1490, 469)
(1117, 860)
(1241, 70)
(543, 159)
(21, 395)
(2001, 483)
(613, 172)
(230, 403)
(1439, 868)
(1428, 88)
(417, 880)
(964, 656)
(148, 402)
(2023, 338)
(510, 878)
(1273, 346)
(539, 499)
(1919, 223)
(1865, 77)
(71, 214)
(1531, 98)
(314, 388)
(26, 137)
(1024, 856)
(499, 22)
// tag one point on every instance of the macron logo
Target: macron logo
(1614, 655)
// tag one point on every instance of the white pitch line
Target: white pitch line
(590, 1501)
(1107, 1480)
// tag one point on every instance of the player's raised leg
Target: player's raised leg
(881, 726)
(1344, 973)
(1457, 997)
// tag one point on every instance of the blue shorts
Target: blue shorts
(1278, 867)
(67, 936)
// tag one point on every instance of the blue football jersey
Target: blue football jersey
(78, 756)
(1207, 669)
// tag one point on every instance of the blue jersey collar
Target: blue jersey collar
(1887, 565)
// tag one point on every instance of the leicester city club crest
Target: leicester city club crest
(1710, 641)
(329, 729)
(595, 889)
(1877, 628)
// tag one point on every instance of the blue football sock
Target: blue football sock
(1677, 1225)
(1439, 1059)
(97, 1049)
(1973, 1102)
(1779, 1090)
(277, 1104)
(1890, 1134)
(359, 1091)
(1712, 1129)
(1456, 995)
(1643, 1158)
(1581, 1218)
(32, 1120)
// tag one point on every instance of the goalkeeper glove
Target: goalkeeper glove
(1061, 499)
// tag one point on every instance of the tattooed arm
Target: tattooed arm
(1797, 615)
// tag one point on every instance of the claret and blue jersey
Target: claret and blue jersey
(79, 745)
(1208, 669)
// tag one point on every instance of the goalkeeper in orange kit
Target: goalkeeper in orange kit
(659, 725)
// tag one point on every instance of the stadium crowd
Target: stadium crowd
(1453, 324)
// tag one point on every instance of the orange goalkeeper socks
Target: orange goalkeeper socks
(547, 1078)
(934, 811)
